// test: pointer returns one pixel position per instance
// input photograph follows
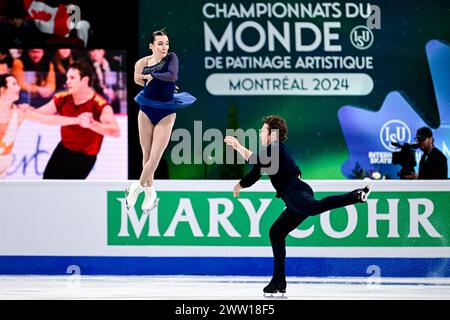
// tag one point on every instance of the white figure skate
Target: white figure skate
(150, 200)
(132, 193)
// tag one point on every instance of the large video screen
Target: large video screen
(41, 74)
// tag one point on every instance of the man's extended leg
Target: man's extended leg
(303, 201)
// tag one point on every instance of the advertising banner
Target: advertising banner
(199, 228)
(349, 77)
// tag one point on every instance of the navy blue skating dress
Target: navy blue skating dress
(158, 99)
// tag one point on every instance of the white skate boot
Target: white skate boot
(132, 193)
(150, 200)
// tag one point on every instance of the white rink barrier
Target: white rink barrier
(56, 227)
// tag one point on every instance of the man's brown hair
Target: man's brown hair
(85, 69)
(277, 123)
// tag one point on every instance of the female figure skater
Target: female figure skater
(296, 194)
(158, 102)
(10, 120)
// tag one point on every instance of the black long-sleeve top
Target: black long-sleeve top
(287, 172)
(433, 165)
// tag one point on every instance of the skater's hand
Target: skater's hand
(24, 107)
(237, 190)
(25, 111)
(232, 141)
(85, 119)
(146, 77)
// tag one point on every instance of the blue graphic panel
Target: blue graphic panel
(369, 135)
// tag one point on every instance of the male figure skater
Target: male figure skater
(296, 194)
(76, 154)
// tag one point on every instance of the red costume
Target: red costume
(74, 137)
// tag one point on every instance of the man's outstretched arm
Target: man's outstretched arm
(46, 114)
(234, 143)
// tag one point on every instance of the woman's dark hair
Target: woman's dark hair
(42, 66)
(85, 69)
(4, 80)
(162, 32)
(61, 65)
(41, 69)
(277, 123)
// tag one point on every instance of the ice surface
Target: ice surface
(217, 288)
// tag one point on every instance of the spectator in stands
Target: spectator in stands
(62, 61)
(35, 74)
(102, 82)
(5, 61)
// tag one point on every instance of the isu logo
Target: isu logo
(361, 37)
(394, 131)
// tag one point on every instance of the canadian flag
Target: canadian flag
(48, 19)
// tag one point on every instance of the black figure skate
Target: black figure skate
(363, 194)
(275, 288)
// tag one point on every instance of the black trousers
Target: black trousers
(300, 204)
(68, 164)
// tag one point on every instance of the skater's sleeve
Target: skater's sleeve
(172, 73)
(254, 174)
(251, 177)
(59, 99)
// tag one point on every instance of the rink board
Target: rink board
(65, 227)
